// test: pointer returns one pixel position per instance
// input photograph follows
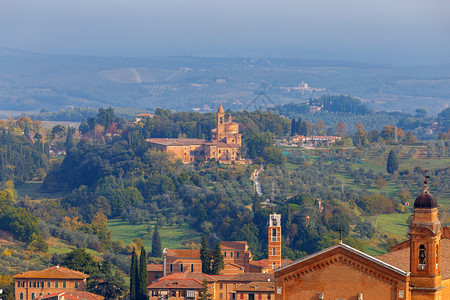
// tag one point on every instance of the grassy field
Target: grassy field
(33, 189)
(394, 224)
(171, 236)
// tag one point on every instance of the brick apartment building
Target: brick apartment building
(54, 280)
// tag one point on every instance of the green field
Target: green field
(173, 237)
(33, 189)
(392, 224)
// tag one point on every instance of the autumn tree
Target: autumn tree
(340, 128)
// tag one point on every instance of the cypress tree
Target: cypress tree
(392, 162)
(133, 274)
(156, 243)
(205, 294)
(293, 127)
(205, 257)
(142, 282)
(218, 264)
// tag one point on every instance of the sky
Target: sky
(382, 31)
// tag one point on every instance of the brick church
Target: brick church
(417, 269)
(224, 146)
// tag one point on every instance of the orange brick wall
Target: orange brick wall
(43, 289)
(339, 281)
(187, 262)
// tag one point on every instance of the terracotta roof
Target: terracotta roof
(196, 276)
(400, 258)
(53, 273)
(176, 142)
(249, 277)
(233, 266)
(155, 268)
(73, 295)
(236, 245)
(257, 287)
(182, 253)
(145, 115)
(176, 284)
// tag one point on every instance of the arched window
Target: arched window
(32, 296)
(21, 296)
(422, 257)
(437, 257)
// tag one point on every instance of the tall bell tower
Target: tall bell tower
(220, 122)
(425, 247)
(274, 248)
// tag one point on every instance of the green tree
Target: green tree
(133, 275)
(105, 117)
(392, 162)
(205, 256)
(205, 294)
(80, 260)
(217, 264)
(142, 281)
(156, 243)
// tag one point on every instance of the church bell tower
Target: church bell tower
(220, 122)
(425, 247)
(274, 248)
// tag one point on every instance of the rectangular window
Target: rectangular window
(221, 296)
(173, 293)
(237, 254)
(34, 284)
(171, 268)
(156, 276)
(76, 285)
(155, 293)
(225, 254)
(274, 234)
(56, 284)
(192, 268)
(49, 285)
(190, 294)
(231, 254)
(221, 286)
(42, 284)
(274, 251)
(181, 268)
(182, 293)
(64, 284)
(268, 296)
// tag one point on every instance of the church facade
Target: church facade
(417, 269)
(224, 146)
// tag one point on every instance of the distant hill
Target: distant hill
(30, 81)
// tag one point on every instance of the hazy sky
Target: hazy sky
(393, 31)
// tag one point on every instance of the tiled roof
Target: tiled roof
(233, 266)
(145, 115)
(257, 287)
(176, 284)
(155, 268)
(182, 253)
(73, 295)
(400, 258)
(235, 245)
(176, 142)
(196, 276)
(249, 277)
(53, 273)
